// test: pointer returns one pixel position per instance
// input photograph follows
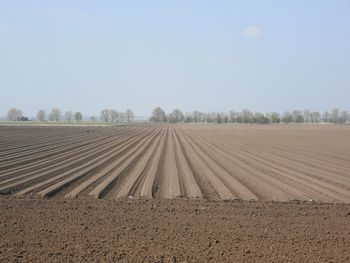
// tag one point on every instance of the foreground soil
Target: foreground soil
(141, 230)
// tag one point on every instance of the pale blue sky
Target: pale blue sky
(204, 55)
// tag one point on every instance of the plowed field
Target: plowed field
(273, 163)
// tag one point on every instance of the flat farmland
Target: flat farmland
(210, 162)
(175, 193)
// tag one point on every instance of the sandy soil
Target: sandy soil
(211, 162)
(129, 230)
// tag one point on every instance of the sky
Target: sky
(193, 55)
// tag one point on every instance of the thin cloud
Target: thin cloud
(252, 32)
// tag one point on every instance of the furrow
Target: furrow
(134, 177)
(73, 167)
(189, 184)
(128, 150)
(239, 190)
(108, 183)
(170, 187)
(148, 187)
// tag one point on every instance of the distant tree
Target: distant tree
(188, 117)
(344, 116)
(224, 117)
(287, 117)
(105, 115)
(299, 119)
(113, 115)
(297, 116)
(14, 114)
(24, 118)
(326, 116)
(55, 115)
(218, 118)
(232, 116)
(196, 116)
(158, 115)
(315, 117)
(334, 118)
(19, 114)
(239, 117)
(274, 117)
(177, 116)
(203, 117)
(121, 116)
(68, 116)
(211, 117)
(41, 115)
(93, 119)
(307, 116)
(260, 118)
(50, 117)
(247, 116)
(129, 115)
(78, 116)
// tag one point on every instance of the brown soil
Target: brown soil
(212, 162)
(155, 193)
(129, 230)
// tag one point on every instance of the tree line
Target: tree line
(246, 116)
(159, 115)
(106, 115)
(110, 115)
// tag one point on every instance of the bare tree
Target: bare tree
(224, 117)
(188, 117)
(315, 117)
(171, 118)
(211, 117)
(55, 115)
(129, 115)
(232, 116)
(326, 116)
(113, 115)
(334, 116)
(287, 117)
(50, 117)
(105, 115)
(14, 114)
(158, 115)
(176, 116)
(297, 116)
(41, 115)
(78, 116)
(307, 115)
(68, 116)
(343, 116)
(218, 117)
(196, 116)
(203, 117)
(121, 116)
(274, 117)
(260, 118)
(247, 116)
